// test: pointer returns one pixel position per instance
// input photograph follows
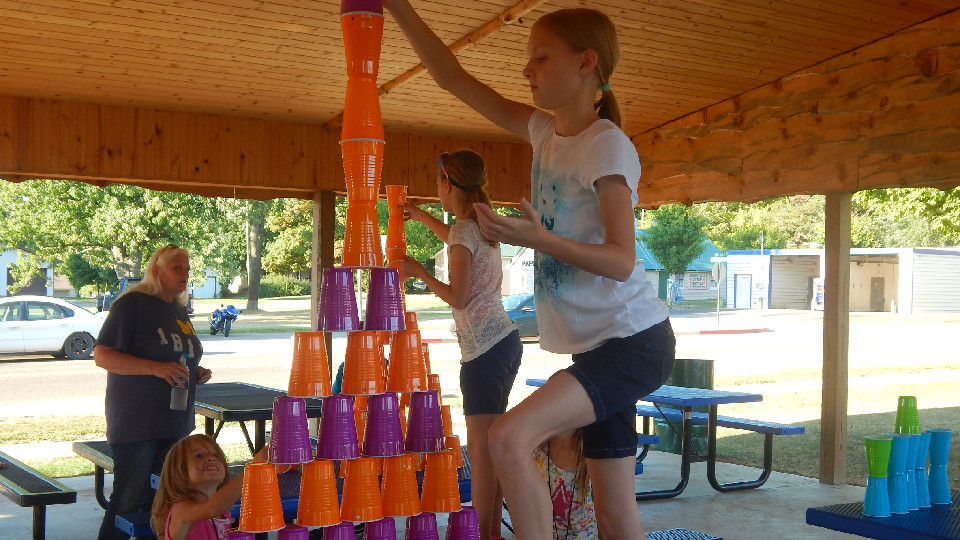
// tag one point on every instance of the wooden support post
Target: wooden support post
(836, 333)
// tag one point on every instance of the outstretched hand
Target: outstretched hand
(518, 231)
(412, 212)
(409, 267)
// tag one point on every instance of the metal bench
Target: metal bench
(768, 429)
(101, 455)
(26, 486)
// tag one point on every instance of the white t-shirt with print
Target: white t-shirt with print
(482, 323)
(577, 310)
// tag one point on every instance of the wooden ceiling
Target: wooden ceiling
(283, 59)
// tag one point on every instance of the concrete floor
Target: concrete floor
(776, 509)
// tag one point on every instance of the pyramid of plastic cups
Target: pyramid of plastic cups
(338, 429)
(939, 454)
(340, 531)
(384, 305)
(260, 509)
(400, 494)
(362, 33)
(382, 529)
(337, 311)
(293, 532)
(361, 111)
(452, 442)
(897, 473)
(907, 419)
(290, 434)
(236, 534)
(424, 425)
(361, 237)
(913, 447)
(406, 371)
(361, 492)
(441, 492)
(876, 499)
(363, 368)
(463, 525)
(309, 373)
(920, 471)
(422, 526)
(383, 436)
(362, 168)
(318, 505)
(446, 419)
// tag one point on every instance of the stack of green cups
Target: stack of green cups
(908, 419)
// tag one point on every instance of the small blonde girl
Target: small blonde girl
(195, 493)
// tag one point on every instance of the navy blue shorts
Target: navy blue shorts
(486, 380)
(616, 375)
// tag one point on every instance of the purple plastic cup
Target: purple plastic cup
(293, 532)
(290, 435)
(422, 527)
(338, 429)
(340, 531)
(338, 302)
(463, 525)
(369, 6)
(384, 436)
(382, 529)
(424, 423)
(384, 306)
(234, 534)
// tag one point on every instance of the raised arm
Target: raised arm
(446, 70)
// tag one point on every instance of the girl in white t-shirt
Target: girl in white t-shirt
(489, 341)
(592, 297)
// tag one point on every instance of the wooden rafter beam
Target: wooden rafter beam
(509, 16)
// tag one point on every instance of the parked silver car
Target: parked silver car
(43, 324)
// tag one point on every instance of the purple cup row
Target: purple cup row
(338, 301)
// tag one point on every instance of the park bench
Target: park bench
(767, 429)
(26, 486)
(101, 455)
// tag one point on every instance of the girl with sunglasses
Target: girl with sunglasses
(489, 341)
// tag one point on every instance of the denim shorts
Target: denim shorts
(486, 380)
(616, 375)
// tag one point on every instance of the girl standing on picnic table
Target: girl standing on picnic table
(489, 341)
(593, 300)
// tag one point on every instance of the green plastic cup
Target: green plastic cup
(908, 419)
(878, 454)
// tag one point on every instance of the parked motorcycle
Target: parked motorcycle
(222, 319)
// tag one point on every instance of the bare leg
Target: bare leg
(559, 405)
(484, 488)
(614, 498)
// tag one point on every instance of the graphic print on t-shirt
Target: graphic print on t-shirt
(550, 274)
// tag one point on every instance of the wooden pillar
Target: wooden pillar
(836, 334)
(324, 224)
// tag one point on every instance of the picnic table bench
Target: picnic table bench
(27, 486)
(768, 429)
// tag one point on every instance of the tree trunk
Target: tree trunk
(256, 218)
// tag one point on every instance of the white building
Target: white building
(899, 280)
(41, 285)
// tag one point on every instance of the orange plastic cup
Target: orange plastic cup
(360, 403)
(362, 34)
(360, 418)
(406, 372)
(309, 373)
(400, 495)
(318, 506)
(260, 509)
(362, 167)
(364, 369)
(433, 383)
(361, 242)
(361, 111)
(410, 320)
(452, 442)
(396, 238)
(396, 197)
(361, 492)
(446, 419)
(441, 493)
(426, 358)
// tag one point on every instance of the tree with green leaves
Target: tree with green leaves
(676, 237)
(81, 273)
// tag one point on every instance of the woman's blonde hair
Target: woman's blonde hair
(582, 29)
(151, 282)
(175, 478)
(466, 171)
